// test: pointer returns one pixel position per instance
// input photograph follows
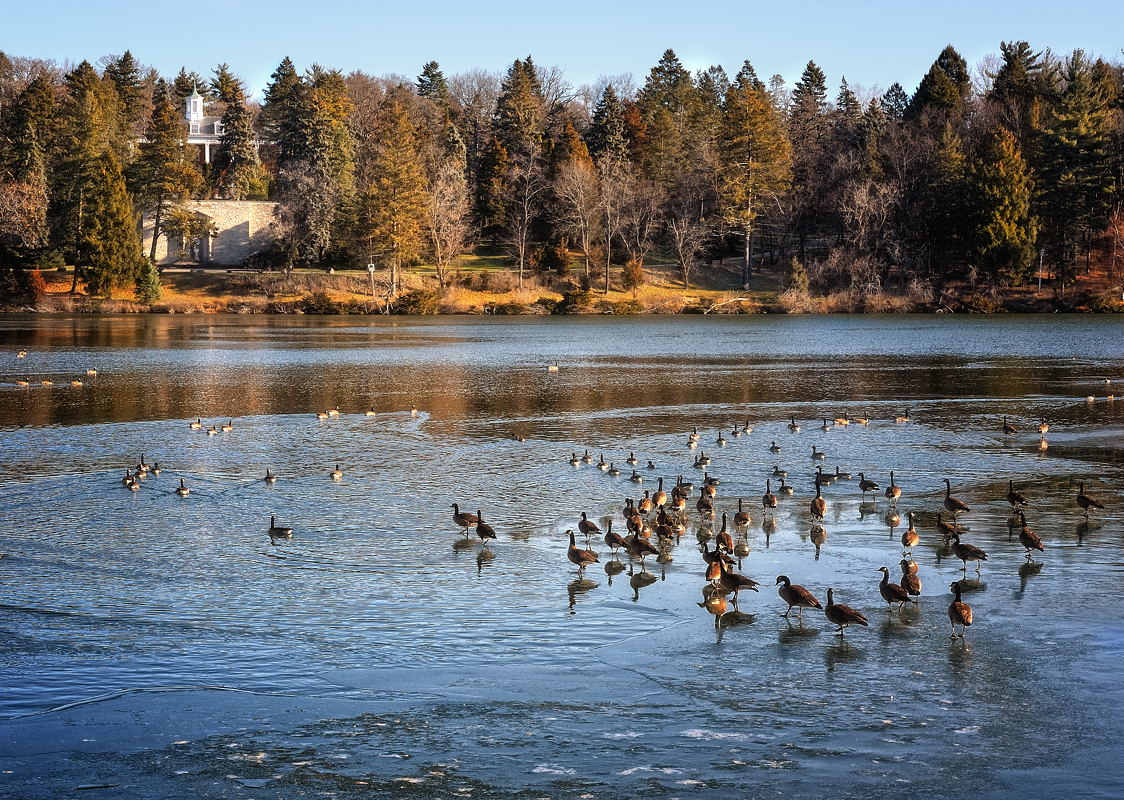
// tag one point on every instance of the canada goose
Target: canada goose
(574, 460)
(321, 415)
(614, 541)
(892, 592)
(723, 540)
(156, 468)
(910, 537)
(613, 470)
(334, 411)
(128, 478)
(587, 458)
(638, 547)
(953, 504)
(1008, 428)
(947, 529)
(769, 500)
(818, 455)
(736, 431)
(786, 488)
(212, 431)
(893, 491)
(825, 426)
(1014, 496)
(588, 527)
(709, 488)
(636, 477)
(650, 465)
(196, 425)
(796, 596)
(703, 460)
(141, 466)
(792, 426)
(843, 420)
(710, 480)
(577, 556)
(818, 505)
(863, 420)
(968, 552)
(182, 490)
(1043, 428)
(1086, 501)
(278, 532)
(269, 477)
(910, 580)
(684, 486)
(413, 411)
(336, 474)
(734, 581)
(631, 460)
(866, 485)
(902, 417)
(518, 437)
(46, 383)
(76, 382)
(22, 383)
(602, 464)
(486, 531)
(693, 436)
(463, 519)
(823, 477)
(704, 505)
(1029, 539)
(778, 472)
(774, 447)
(715, 603)
(644, 505)
(742, 517)
(133, 485)
(747, 428)
(959, 613)
(21, 354)
(721, 440)
(660, 497)
(841, 615)
(370, 412)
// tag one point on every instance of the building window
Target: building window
(195, 106)
(195, 127)
(218, 129)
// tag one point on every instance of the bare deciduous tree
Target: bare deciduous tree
(578, 191)
(686, 234)
(527, 185)
(447, 217)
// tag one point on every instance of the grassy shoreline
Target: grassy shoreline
(496, 291)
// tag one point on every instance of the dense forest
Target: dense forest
(979, 174)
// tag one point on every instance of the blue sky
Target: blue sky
(872, 42)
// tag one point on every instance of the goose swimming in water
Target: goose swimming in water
(183, 491)
(278, 532)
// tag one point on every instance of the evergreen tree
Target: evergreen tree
(393, 216)
(607, 130)
(226, 86)
(848, 118)
(809, 131)
(1076, 183)
(238, 174)
(492, 187)
(187, 82)
(757, 162)
(895, 102)
(668, 85)
(109, 255)
(945, 86)
(148, 287)
(285, 114)
(520, 116)
(747, 77)
(944, 204)
(25, 132)
(432, 84)
(1004, 229)
(163, 175)
(125, 74)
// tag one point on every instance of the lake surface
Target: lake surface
(164, 646)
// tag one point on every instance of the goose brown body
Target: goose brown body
(795, 596)
(768, 500)
(818, 504)
(841, 615)
(1029, 539)
(967, 552)
(959, 613)
(1087, 502)
(463, 519)
(953, 504)
(892, 592)
(1014, 496)
(483, 529)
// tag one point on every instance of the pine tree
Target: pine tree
(809, 132)
(109, 255)
(432, 84)
(125, 74)
(285, 114)
(944, 203)
(187, 82)
(492, 187)
(226, 86)
(163, 176)
(668, 85)
(607, 129)
(945, 86)
(1076, 182)
(1004, 229)
(895, 102)
(757, 161)
(520, 116)
(148, 288)
(237, 171)
(393, 216)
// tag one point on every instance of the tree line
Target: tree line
(979, 174)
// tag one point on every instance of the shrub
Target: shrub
(511, 309)
(34, 286)
(797, 278)
(419, 302)
(547, 304)
(628, 307)
(579, 301)
(148, 283)
(319, 303)
(632, 276)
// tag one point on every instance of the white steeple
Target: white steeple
(194, 105)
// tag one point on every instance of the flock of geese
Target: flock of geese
(655, 523)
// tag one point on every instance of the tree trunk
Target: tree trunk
(747, 256)
(156, 217)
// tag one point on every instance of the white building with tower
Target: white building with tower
(203, 130)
